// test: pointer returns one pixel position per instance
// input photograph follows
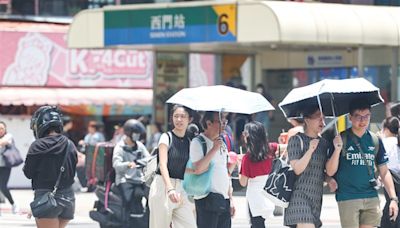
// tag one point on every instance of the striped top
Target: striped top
(178, 154)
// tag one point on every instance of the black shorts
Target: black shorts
(66, 203)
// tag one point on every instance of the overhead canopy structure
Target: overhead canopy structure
(71, 96)
(252, 24)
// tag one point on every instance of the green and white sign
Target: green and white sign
(170, 25)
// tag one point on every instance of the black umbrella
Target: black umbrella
(331, 96)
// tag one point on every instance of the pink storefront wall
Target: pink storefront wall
(32, 58)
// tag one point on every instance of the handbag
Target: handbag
(11, 156)
(43, 205)
(198, 184)
(280, 182)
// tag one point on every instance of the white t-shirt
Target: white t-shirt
(165, 139)
(392, 150)
(220, 181)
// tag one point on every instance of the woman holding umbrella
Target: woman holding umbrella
(307, 155)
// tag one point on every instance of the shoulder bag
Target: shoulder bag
(280, 181)
(198, 185)
(12, 156)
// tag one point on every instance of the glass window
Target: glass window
(387, 2)
(48, 7)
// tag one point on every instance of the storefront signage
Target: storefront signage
(42, 59)
(324, 60)
(108, 63)
(170, 25)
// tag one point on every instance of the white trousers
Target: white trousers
(163, 212)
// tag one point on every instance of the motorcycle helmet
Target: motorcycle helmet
(43, 119)
(134, 129)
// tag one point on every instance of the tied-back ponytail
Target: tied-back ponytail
(393, 125)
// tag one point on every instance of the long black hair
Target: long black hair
(257, 143)
(393, 125)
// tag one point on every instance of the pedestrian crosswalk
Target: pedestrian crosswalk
(84, 203)
(10, 220)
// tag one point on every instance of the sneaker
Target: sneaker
(15, 208)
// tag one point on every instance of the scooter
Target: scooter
(108, 209)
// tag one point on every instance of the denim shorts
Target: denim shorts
(66, 203)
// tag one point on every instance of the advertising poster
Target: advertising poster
(201, 70)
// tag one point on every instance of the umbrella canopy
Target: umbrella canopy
(221, 98)
(333, 96)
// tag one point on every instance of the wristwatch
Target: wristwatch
(394, 199)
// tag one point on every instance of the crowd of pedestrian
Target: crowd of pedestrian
(355, 163)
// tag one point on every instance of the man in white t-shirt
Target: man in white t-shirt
(208, 217)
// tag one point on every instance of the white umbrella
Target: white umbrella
(221, 98)
(332, 96)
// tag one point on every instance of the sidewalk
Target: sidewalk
(84, 203)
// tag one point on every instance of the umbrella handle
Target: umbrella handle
(320, 108)
(220, 119)
(334, 114)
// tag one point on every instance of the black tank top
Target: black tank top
(178, 155)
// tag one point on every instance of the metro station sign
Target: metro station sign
(178, 25)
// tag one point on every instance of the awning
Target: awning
(71, 96)
(257, 24)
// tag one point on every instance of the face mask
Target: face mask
(135, 137)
